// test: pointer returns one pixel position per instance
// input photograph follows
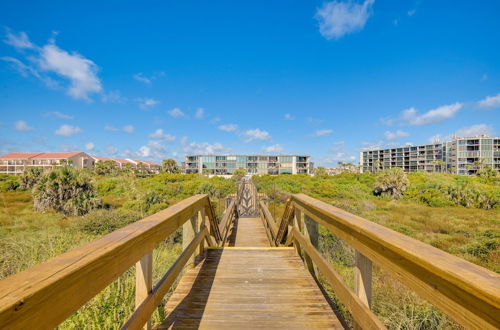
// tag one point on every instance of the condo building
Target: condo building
(463, 156)
(253, 164)
(16, 162)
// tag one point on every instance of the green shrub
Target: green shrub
(9, 183)
(391, 182)
(30, 177)
(100, 222)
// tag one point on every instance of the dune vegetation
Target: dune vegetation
(460, 215)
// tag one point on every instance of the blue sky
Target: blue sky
(157, 79)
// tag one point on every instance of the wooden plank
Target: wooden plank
(363, 278)
(143, 281)
(189, 230)
(311, 232)
(360, 312)
(144, 311)
(468, 293)
(69, 280)
(269, 220)
(250, 232)
(236, 288)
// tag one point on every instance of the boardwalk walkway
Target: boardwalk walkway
(249, 285)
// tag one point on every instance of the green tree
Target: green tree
(487, 172)
(320, 172)
(392, 182)
(170, 166)
(239, 173)
(66, 190)
(30, 177)
(105, 167)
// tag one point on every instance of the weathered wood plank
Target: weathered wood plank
(466, 292)
(144, 282)
(27, 299)
(144, 311)
(272, 291)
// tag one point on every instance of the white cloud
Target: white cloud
(200, 113)
(162, 136)
(128, 129)
(475, 130)
(113, 97)
(148, 80)
(204, 148)
(437, 115)
(288, 116)
(337, 19)
(19, 41)
(176, 113)
(228, 127)
(111, 151)
(57, 114)
(146, 103)
(110, 128)
(67, 130)
(323, 132)
(144, 151)
(338, 146)
(490, 101)
(22, 126)
(89, 146)
(395, 135)
(50, 61)
(215, 120)
(273, 149)
(412, 12)
(153, 149)
(256, 135)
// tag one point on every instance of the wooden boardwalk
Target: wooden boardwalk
(248, 232)
(249, 288)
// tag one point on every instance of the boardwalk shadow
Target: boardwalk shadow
(189, 312)
(234, 230)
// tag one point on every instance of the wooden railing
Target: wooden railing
(45, 295)
(467, 293)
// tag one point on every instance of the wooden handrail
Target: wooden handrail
(468, 293)
(270, 225)
(285, 220)
(361, 313)
(46, 294)
(142, 314)
(226, 221)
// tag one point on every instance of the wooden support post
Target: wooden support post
(311, 231)
(188, 232)
(143, 281)
(297, 224)
(363, 278)
(202, 223)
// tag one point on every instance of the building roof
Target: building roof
(20, 155)
(122, 161)
(56, 155)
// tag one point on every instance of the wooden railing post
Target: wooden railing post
(363, 278)
(297, 224)
(188, 232)
(202, 222)
(311, 232)
(143, 281)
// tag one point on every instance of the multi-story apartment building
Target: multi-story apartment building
(253, 164)
(16, 162)
(459, 156)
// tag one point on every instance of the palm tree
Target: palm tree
(170, 166)
(30, 177)
(65, 190)
(392, 181)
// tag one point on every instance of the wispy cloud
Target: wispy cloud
(289, 116)
(277, 148)
(159, 134)
(338, 146)
(110, 128)
(176, 113)
(338, 18)
(113, 97)
(395, 135)
(490, 101)
(256, 135)
(323, 132)
(412, 12)
(128, 129)
(67, 130)
(228, 127)
(22, 126)
(475, 130)
(148, 79)
(89, 146)
(440, 114)
(146, 103)
(50, 62)
(57, 114)
(200, 113)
